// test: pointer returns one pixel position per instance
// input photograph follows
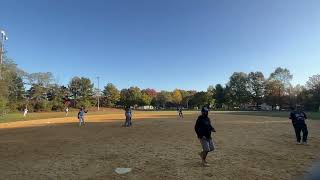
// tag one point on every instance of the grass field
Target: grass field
(45, 115)
(158, 146)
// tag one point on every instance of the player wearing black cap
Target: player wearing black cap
(298, 118)
(203, 129)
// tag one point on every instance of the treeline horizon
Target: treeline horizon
(242, 90)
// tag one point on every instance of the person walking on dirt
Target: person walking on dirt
(25, 112)
(203, 130)
(128, 114)
(67, 111)
(180, 112)
(81, 113)
(298, 118)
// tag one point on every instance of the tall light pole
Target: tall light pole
(3, 38)
(188, 103)
(98, 93)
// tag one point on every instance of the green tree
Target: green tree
(199, 99)
(37, 98)
(82, 91)
(211, 92)
(256, 87)
(186, 97)
(313, 89)
(12, 87)
(271, 94)
(3, 97)
(238, 89)
(56, 96)
(37, 94)
(111, 95)
(292, 97)
(16, 99)
(130, 97)
(282, 75)
(149, 96)
(279, 81)
(220, 96)
(43, 79)
(145, 99)
(163, 98)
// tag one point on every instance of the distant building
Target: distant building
(262, 107)
(145, 108)
(266, 107)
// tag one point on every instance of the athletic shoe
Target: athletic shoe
(205, 164)
(305, 143)
(298, 143)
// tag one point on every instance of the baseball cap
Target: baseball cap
(204, 109)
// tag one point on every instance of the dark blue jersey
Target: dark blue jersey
(298, 117)
(203, 127)
(81, 113)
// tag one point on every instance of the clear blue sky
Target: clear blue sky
(163, 44)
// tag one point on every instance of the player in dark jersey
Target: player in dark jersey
(180, 112)
(203, 128)
(81, 113)
(298, 118)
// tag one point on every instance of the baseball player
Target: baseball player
(81, 113)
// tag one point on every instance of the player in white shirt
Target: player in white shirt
(25, 112)
(67, 111)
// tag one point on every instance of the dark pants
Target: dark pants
(128, 122)
(301, 127)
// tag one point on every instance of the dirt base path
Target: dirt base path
(158, 146)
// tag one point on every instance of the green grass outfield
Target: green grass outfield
(11, 117)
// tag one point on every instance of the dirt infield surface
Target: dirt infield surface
(158, 146)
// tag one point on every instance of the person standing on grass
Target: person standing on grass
(128, 114)
(81, 113)
(203, 130)
(25, 112)
(298, 118)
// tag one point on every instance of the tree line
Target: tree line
(40, 92)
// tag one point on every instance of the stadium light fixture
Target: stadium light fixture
(4, 37)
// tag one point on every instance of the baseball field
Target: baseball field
(158, 146)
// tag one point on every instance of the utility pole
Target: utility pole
(98, 93)
(188, 102)
(1, 49)
(3, 38)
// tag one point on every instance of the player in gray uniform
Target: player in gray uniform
(128, 114)
(81, 113)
